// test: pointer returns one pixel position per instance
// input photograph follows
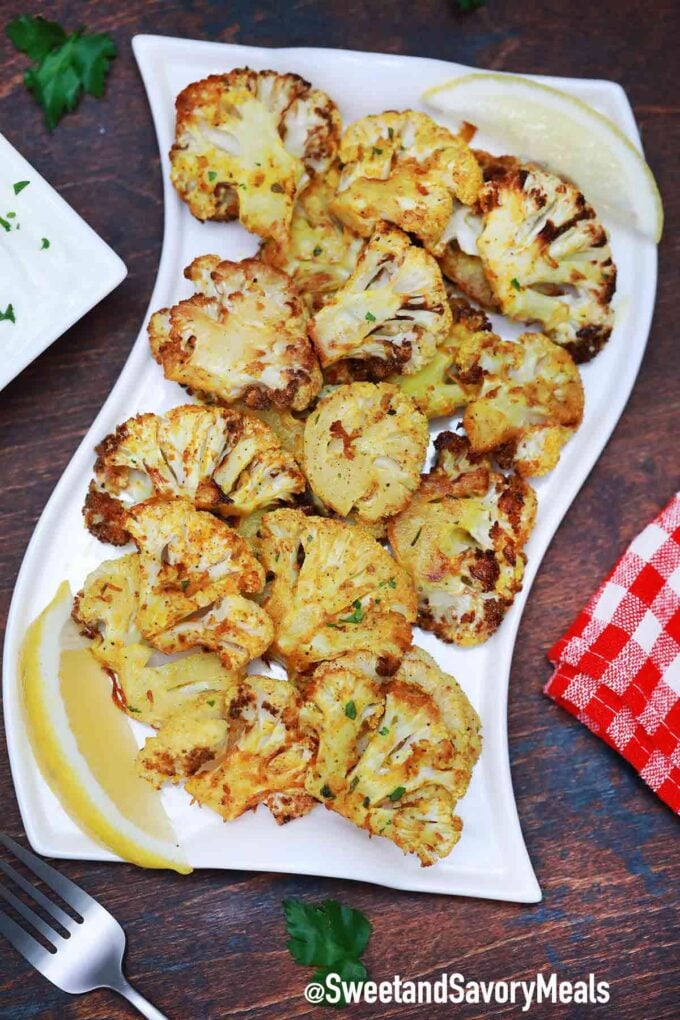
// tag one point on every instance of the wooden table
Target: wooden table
(604, 847)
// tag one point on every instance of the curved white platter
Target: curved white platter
(491, 859)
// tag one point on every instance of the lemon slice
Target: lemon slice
(569, 137)
(84, 745)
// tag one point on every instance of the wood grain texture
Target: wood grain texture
(604, 847)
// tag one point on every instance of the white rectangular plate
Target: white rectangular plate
(491, 859)
(50, 289)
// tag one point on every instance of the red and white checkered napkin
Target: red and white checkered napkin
(618, 665)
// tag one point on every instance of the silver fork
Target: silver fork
(88, 952)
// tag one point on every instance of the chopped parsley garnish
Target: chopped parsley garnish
(355, 617)
(355, 782)
(212, 175)
(317, 251)
(19, 186)
(44, 244)
(277, 188)
(418, 534)
(185, 583)
(351, 710)
(367, 801)
(8, 315)
(131, 708)
(370, 317)
(377, 151)
(397, 792)
(390, 133)
(11, 215)
(211, 703)
(5, 225)
(515, 283)
(66, 65)
(326, 791)
(383, 731)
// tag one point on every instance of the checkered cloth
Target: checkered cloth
(618, 665)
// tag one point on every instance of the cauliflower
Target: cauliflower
(247, 142)
(437, 389)
(321, 252)
(461, 538)
(216, 458)
(106, 611)
(265, 758)
(529, 403)
(467, 272)
(195, 577)
(343, 704)
(408, 170)
(332, 589)
(364, 448)
(188, 740)
(394, 757)
(390, 314)
(543, 253)
(243, 336)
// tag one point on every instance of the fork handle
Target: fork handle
(142, 1005)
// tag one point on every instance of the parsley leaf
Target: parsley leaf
(351, 710)
(44, 244)
(36, 37)
(19, 186)
(212, 175)
(370, 317)
(330, 937)
(8, 315)
(355, 617)
(515, 283)
(66, 65)
(397, 792)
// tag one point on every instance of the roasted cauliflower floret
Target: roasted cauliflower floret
(343, 704)
(390, 314)
(195, 577)
(247, 142)
(547, 258)
(106, 611)
(242, 337)
(408, 170)
(333, 589)
(216, 458)
(365, 445)
(265, 757)
(393, 757)
(188, 740)
(529, 403)
(461, 538)
(321, 252)
(437, 389)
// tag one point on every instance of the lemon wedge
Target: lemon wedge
(564, 134)
(84, 745)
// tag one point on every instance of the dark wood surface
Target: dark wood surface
(605, 849)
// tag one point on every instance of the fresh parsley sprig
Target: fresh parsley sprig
(66, 65)
(330, 937)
